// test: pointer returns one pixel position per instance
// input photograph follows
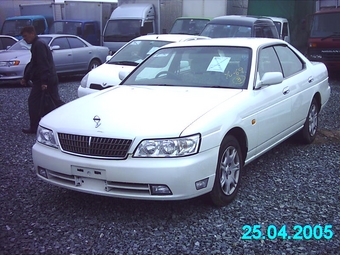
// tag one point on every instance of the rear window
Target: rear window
(266, 32)
(222, 31)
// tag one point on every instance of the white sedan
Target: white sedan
(71, 54)
(126, 59)
(185, 122)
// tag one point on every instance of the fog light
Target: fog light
(201, 184)
(42, 172)
(160, 190)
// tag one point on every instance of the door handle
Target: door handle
(285, 91)
(310, 79)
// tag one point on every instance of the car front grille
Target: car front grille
(94, 147)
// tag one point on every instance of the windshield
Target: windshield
(22, 45)
(203, 66)
(221, 31)
(122, 30)
(324, 25)
(13, 27)
(134, 52)
(188, 26)
(66, 27)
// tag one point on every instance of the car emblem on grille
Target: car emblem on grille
(96, 119)
(104, 84)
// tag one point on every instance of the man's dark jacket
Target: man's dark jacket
(41, 69)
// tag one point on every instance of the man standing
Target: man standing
(42, 74)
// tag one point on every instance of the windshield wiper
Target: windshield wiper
(335, 34)
(128, 63)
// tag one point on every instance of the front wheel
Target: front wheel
(228, 172)
(94, 64)
(308, 132)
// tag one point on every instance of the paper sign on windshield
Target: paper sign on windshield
(218, 64)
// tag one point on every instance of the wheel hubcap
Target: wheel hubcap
(230, 170)
(313, 120)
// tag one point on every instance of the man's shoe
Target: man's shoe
(28, 131)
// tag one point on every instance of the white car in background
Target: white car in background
(126, 59)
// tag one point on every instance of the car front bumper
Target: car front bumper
(85, 91)
(12, 73)
(132, 178)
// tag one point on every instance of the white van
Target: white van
(282, 27)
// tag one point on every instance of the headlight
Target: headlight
(10, 63)
(171, 147)
(46, 136)
(84, 81)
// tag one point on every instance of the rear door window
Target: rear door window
(290, 62)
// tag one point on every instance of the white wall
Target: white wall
(204, 8)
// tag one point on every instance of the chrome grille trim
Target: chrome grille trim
(94, 147)
(122, 187)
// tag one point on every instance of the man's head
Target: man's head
(28, 34)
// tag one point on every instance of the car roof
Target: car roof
(25, 17)
(250, 42)
(194, 17)
(57, 35)
(9, 36)
(75, 20)
(170, 37)
(277, 19)
(241, 20)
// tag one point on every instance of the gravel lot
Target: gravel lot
(291, 185)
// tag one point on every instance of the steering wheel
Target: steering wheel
(167, 73)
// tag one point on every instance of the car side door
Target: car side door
(82, 54)
(299, 81)
(273, 107)
(62, 54)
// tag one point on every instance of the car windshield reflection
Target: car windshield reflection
(205, 66)
(22, 45)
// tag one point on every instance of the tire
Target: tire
(228, 172)
(93, 64)
(309, 130)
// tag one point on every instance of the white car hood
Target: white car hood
(108, 74)
(131, 111)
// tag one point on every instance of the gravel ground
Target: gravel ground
(291, 185)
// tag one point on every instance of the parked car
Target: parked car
(184, 122)
(7, 41)
(240, 26)
(71, 54)
(126, 58)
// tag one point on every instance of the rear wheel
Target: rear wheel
(308, 132)
(93, 64)
(228, 172)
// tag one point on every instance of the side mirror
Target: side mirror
(122, 74)
(270, 78)
(287, 38)
(108, 57)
